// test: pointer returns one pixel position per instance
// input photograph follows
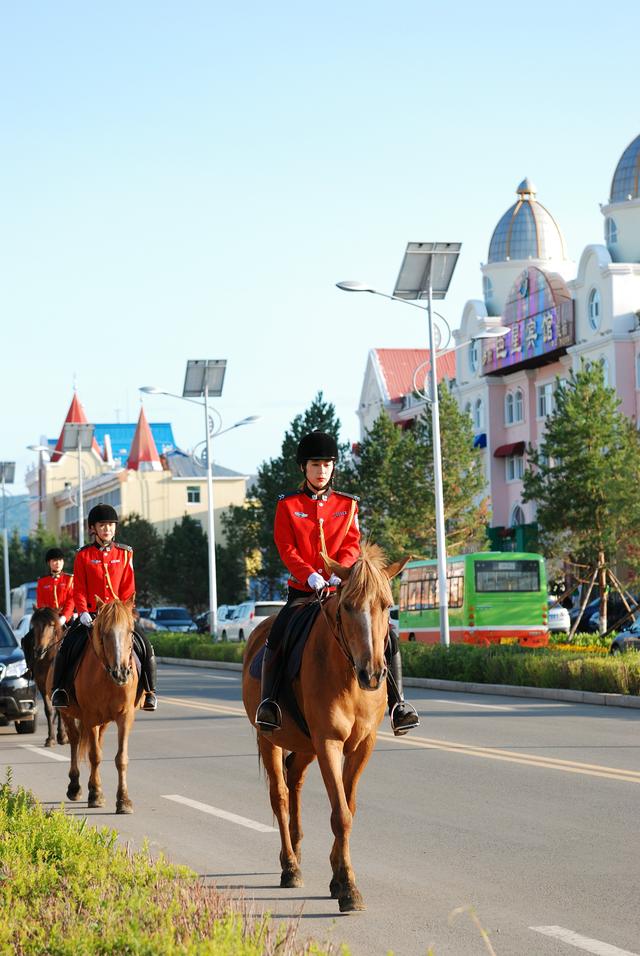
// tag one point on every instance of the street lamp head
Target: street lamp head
(348, 285)
(42, 448)
(493, 332)
(151, 390)
(250, 419)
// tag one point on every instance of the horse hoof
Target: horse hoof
(351, 902)
(334, 889)
(74, 793)
(291, 879)
(49, 742)
(95, 800)
(124, 806)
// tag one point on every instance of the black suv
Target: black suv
(17, 691)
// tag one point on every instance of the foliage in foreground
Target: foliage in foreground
(579, 668)
(66, 888)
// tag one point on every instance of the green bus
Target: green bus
(495, 597)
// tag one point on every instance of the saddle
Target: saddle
(294, 639)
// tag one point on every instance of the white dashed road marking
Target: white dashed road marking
(466, 703)
(217, 812)
(582, 942)
(43, 753)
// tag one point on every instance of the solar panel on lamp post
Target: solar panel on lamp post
(78, 436)
(7, 474)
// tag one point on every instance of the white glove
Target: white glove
(86, 619)
(316, 581)
(335, 581)
(62, 619)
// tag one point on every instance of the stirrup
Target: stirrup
(402, 723)
(150, 701)
(60, 698)
(271, 718)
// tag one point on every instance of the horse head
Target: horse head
(47, 631)
(112, 632)
(364, 600)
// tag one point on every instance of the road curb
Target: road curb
(465, 687)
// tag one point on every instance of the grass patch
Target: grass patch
(68, 889)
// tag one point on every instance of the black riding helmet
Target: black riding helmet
(317, 445)
(102, 513)
(54, 554)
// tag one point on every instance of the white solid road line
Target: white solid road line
(43, 753)
(582, 942)
(217, 812)
(467, 703)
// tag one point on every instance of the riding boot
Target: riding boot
(28, 649)
(403, 716)
(268, 714)
(149, 670)
(61, 684)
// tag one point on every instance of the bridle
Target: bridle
(103, 657)
(338, 632)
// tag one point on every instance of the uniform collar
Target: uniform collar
(103, 547)
(314, 497)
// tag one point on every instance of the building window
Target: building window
(545, 399)
(610, 231)
(467, 410)
(517, 516)
(515, 467)
(487, 291)
(478, 415)
(518, 406)
(508, 408)
(193, 494)
(638, 371)
(605, 371)
(474, 355)
(593, 309)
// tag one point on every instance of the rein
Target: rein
(338, 633)
(103, 658)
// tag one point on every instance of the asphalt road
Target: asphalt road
(522, 812)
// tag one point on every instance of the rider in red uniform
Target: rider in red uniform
(54, 590)
(103, 569)
(297, 537)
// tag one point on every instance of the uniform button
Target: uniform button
(321, 504)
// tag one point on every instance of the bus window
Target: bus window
(496, 576)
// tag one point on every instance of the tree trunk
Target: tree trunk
(602, 579)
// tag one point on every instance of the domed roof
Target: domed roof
(526, 231)
(624, 184)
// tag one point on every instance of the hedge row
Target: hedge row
(66, 888)
(574, 669)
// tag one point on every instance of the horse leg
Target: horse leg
(96, 795)
(74, 790)
(48, 710)
(61, 735)
(123, 803)
(291, 875)
(296, 766)
(343, 884)
(354, 764)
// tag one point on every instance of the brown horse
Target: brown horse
(47, 637)
(106, 690)
(341, 691)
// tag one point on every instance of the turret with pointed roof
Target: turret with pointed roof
(76, 415)
(144, 454)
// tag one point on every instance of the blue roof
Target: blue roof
(121, 435)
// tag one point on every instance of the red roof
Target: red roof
(397, 368)
(76, 414)
(144, 454)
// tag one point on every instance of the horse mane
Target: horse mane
(367, 581)
(44, 614)
(111, 613)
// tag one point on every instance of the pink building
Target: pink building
(559, 316)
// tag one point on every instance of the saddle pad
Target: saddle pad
(293, 642)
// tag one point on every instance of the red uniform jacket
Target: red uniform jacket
(297, 536)
(56, 593)
(106, 573)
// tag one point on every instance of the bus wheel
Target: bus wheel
(412, 637)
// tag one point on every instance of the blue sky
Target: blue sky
(189, 180)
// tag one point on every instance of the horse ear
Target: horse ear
(99, 602)
(131, 602)
(394, 569)
(341, 570)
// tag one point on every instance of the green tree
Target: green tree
(231, 575)
(147, 544)
(184, 574)
(393, 474)
(582, 474)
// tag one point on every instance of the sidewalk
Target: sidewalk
(506, 690)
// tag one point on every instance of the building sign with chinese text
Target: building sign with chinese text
(540, 317)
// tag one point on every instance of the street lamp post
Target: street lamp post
(78, 437)
(426, 273)
(204, 378)
(7, 473)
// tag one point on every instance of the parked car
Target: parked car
(201, 621)
(23, 626)
(171, 618)
(627, 639)
(558, 619)
(17, 690)
(246, 617)
(616, 611)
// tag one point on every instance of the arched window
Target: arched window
(474, 355)
(467, 410)
(605, 371)
(478, 415)
(508, 408)
(610, 231)
(517, 516)
(518, 406)
(487, 291)
(593, 309)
